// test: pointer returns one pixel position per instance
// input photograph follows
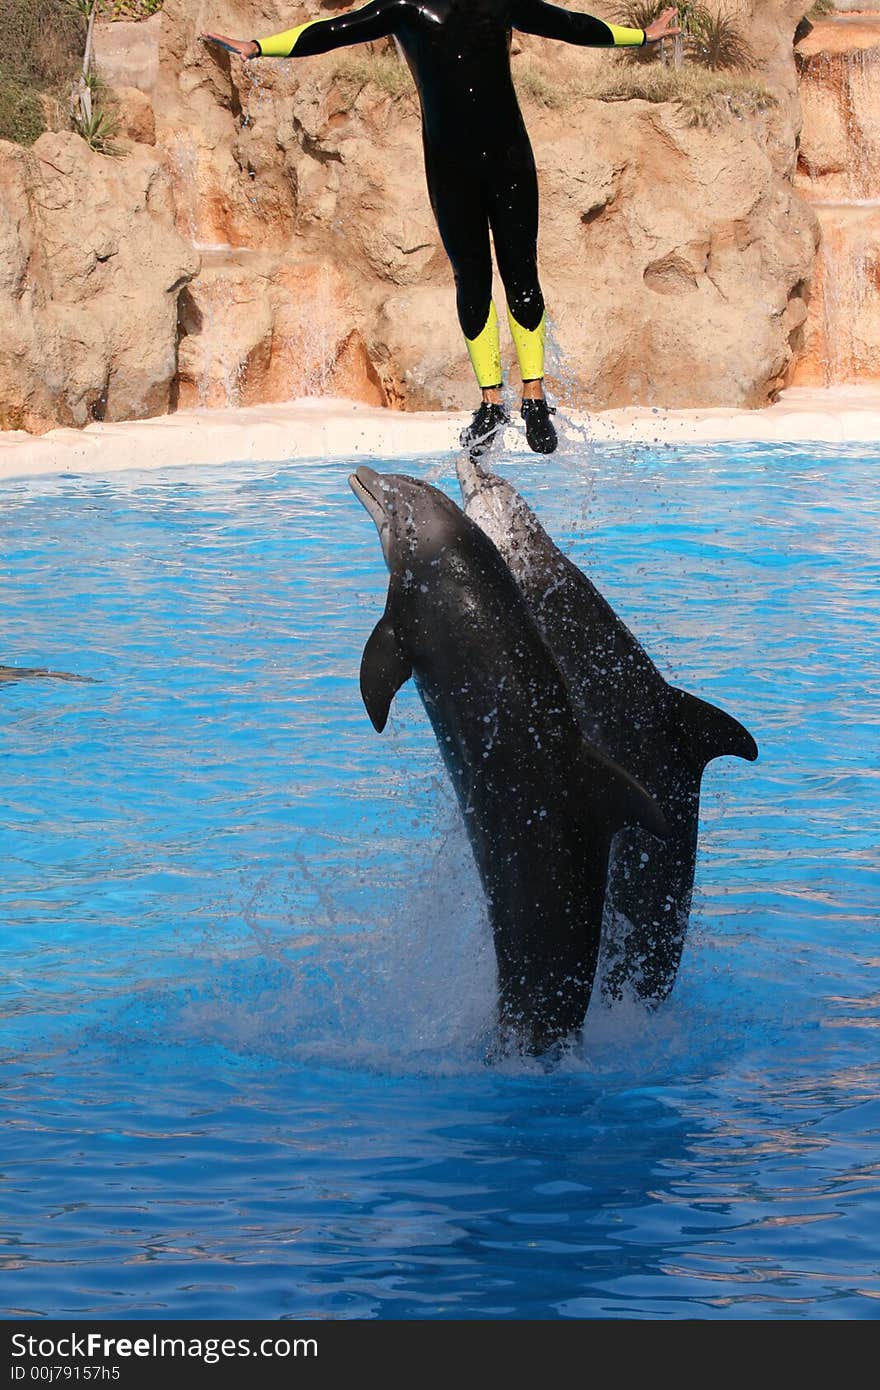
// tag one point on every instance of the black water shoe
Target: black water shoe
(539, 427)
(489, 419)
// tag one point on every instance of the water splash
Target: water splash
(183, 164)
(311, 339)
(849, 281)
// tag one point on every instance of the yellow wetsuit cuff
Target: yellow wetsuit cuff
(283, 45)
(485, 351)
(529, 344)
(627, 38)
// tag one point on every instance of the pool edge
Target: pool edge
(335, 428)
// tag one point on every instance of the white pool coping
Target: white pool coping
(332, 428)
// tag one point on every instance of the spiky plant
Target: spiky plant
(715, 40)
(97, 128)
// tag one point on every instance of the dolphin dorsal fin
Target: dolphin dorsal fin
(704, 731)
(384, 669)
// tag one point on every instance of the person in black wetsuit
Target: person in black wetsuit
(478, 161)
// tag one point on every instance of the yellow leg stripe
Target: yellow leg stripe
(626, 38)
(282, 45)
(485, 351)
(529, 344)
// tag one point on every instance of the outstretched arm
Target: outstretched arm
(553, 22)
(374, 21)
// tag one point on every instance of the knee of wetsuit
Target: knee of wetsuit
(526, 308)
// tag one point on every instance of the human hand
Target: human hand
(243, 48)
(665, 26)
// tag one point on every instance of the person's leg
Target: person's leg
(513, 214)
(459, 202)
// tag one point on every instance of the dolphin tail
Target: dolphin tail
(616, 799)
(704, 731)
(384, 669)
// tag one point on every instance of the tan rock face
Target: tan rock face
(90, 273)
(254, 329)
(132, 111)
(674, 261)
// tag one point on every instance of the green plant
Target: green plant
(21, 112)
(131, 9)
(97, 129)
(714, 39)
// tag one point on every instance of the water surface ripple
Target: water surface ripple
(246, 977)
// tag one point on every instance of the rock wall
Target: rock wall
(288, 199)
(90, 274)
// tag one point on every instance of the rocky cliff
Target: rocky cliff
(266, 233)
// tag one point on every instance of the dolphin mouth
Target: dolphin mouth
(367, 486)
(364, 486)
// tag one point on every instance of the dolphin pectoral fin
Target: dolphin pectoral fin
(384, 669)
(704, 731)
(616, 799)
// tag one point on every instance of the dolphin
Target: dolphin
(10, 674)
(539, 803)
(662, 735)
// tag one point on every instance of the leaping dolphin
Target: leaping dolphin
(663, 736)
(539, 803)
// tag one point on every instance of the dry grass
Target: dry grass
(354, 71)
(533, 85)
(703, 97)
(41, 43)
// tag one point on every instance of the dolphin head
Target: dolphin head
(415, 521)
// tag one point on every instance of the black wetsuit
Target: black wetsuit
(478, 159)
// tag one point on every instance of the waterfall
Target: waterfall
(839, 173)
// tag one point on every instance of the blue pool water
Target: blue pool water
(246, 975)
